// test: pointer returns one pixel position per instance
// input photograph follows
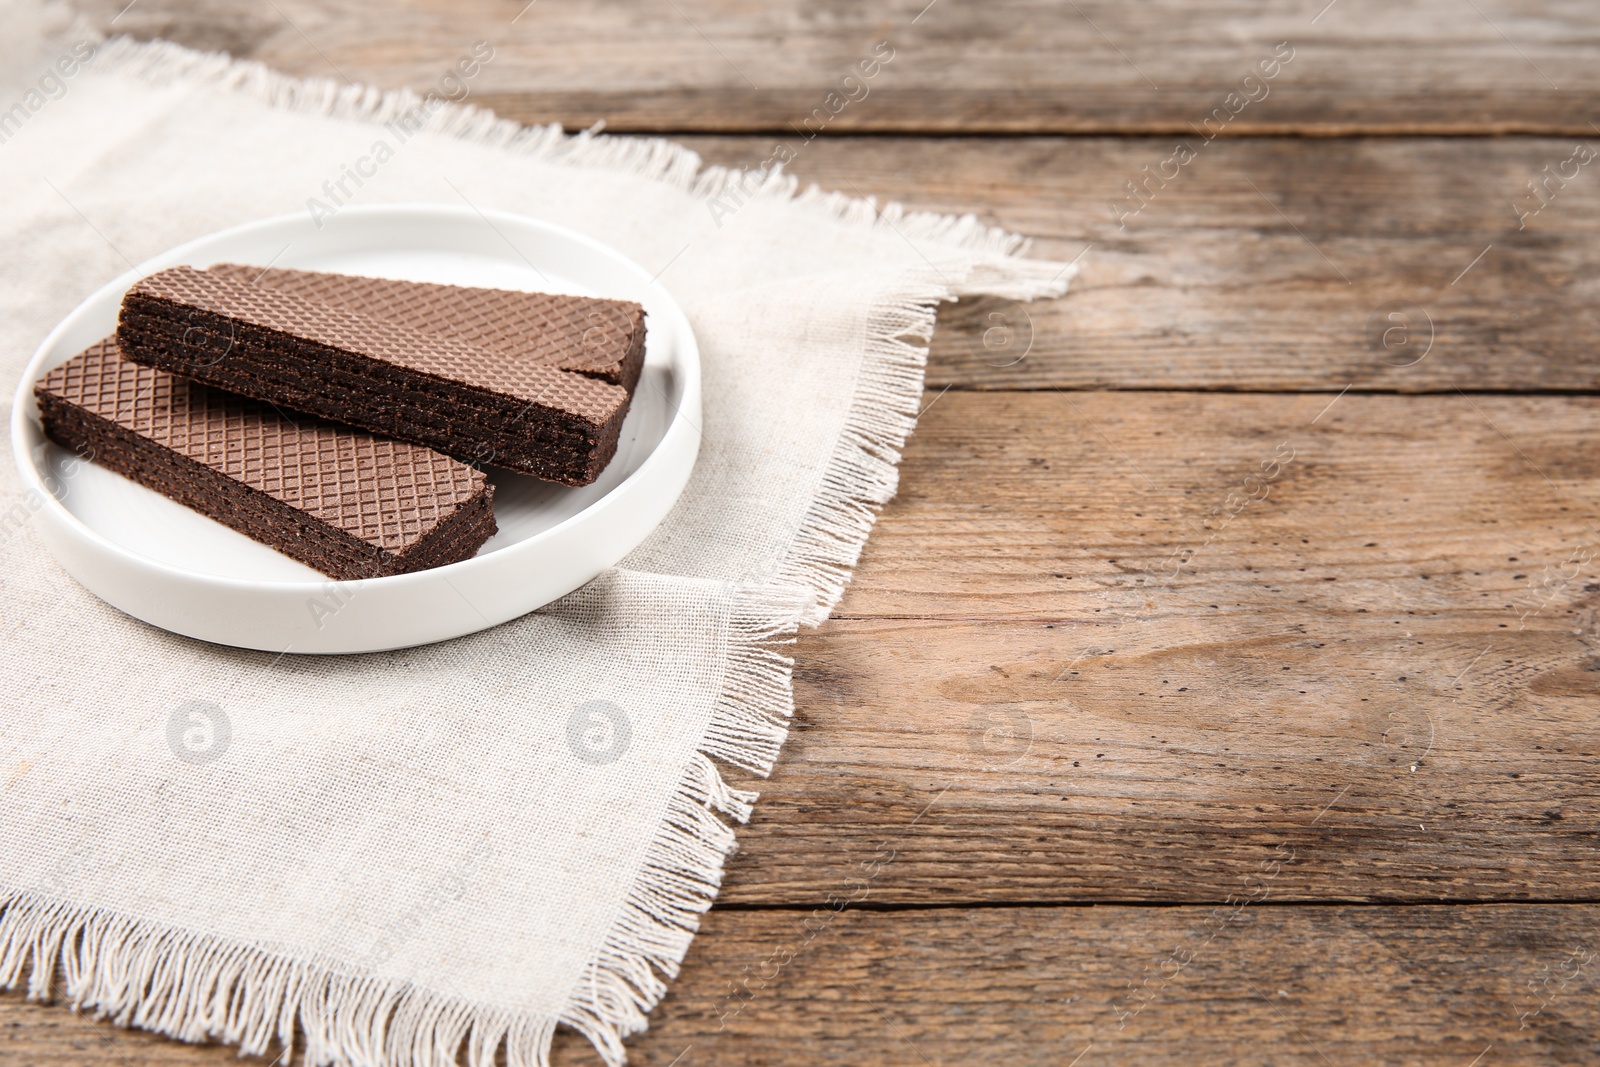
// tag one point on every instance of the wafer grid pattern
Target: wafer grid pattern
(588, 335)
(383, 340)
(387, 493)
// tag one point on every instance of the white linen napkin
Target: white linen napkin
(404, 854)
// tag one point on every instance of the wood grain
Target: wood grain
(1267, 264)
(1254, 983)
(1012, 66)
(1389, 661)
(1057, 507)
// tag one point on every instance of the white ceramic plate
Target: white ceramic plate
(157, 560)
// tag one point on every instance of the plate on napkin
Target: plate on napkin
(175, 568)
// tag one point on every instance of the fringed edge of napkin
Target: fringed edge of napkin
(683, 867)
(195, 987)
(863, 473)
(198, 987)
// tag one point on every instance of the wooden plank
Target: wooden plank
(1072, 506)
(1249, 983)
(1255, 984)
(1116, 676)
(1265, 265)
(1015, 66)
(1018, 66)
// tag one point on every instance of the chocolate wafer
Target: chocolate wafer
(598, 338)
(473, 403)
(344, 502)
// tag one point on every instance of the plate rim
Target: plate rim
(24, 410)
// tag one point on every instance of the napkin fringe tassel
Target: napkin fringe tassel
(196, 987)
(864, 472)
(683, 867)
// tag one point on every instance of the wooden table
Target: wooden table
(1222, 685)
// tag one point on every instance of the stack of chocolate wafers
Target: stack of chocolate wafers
(344, 420)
